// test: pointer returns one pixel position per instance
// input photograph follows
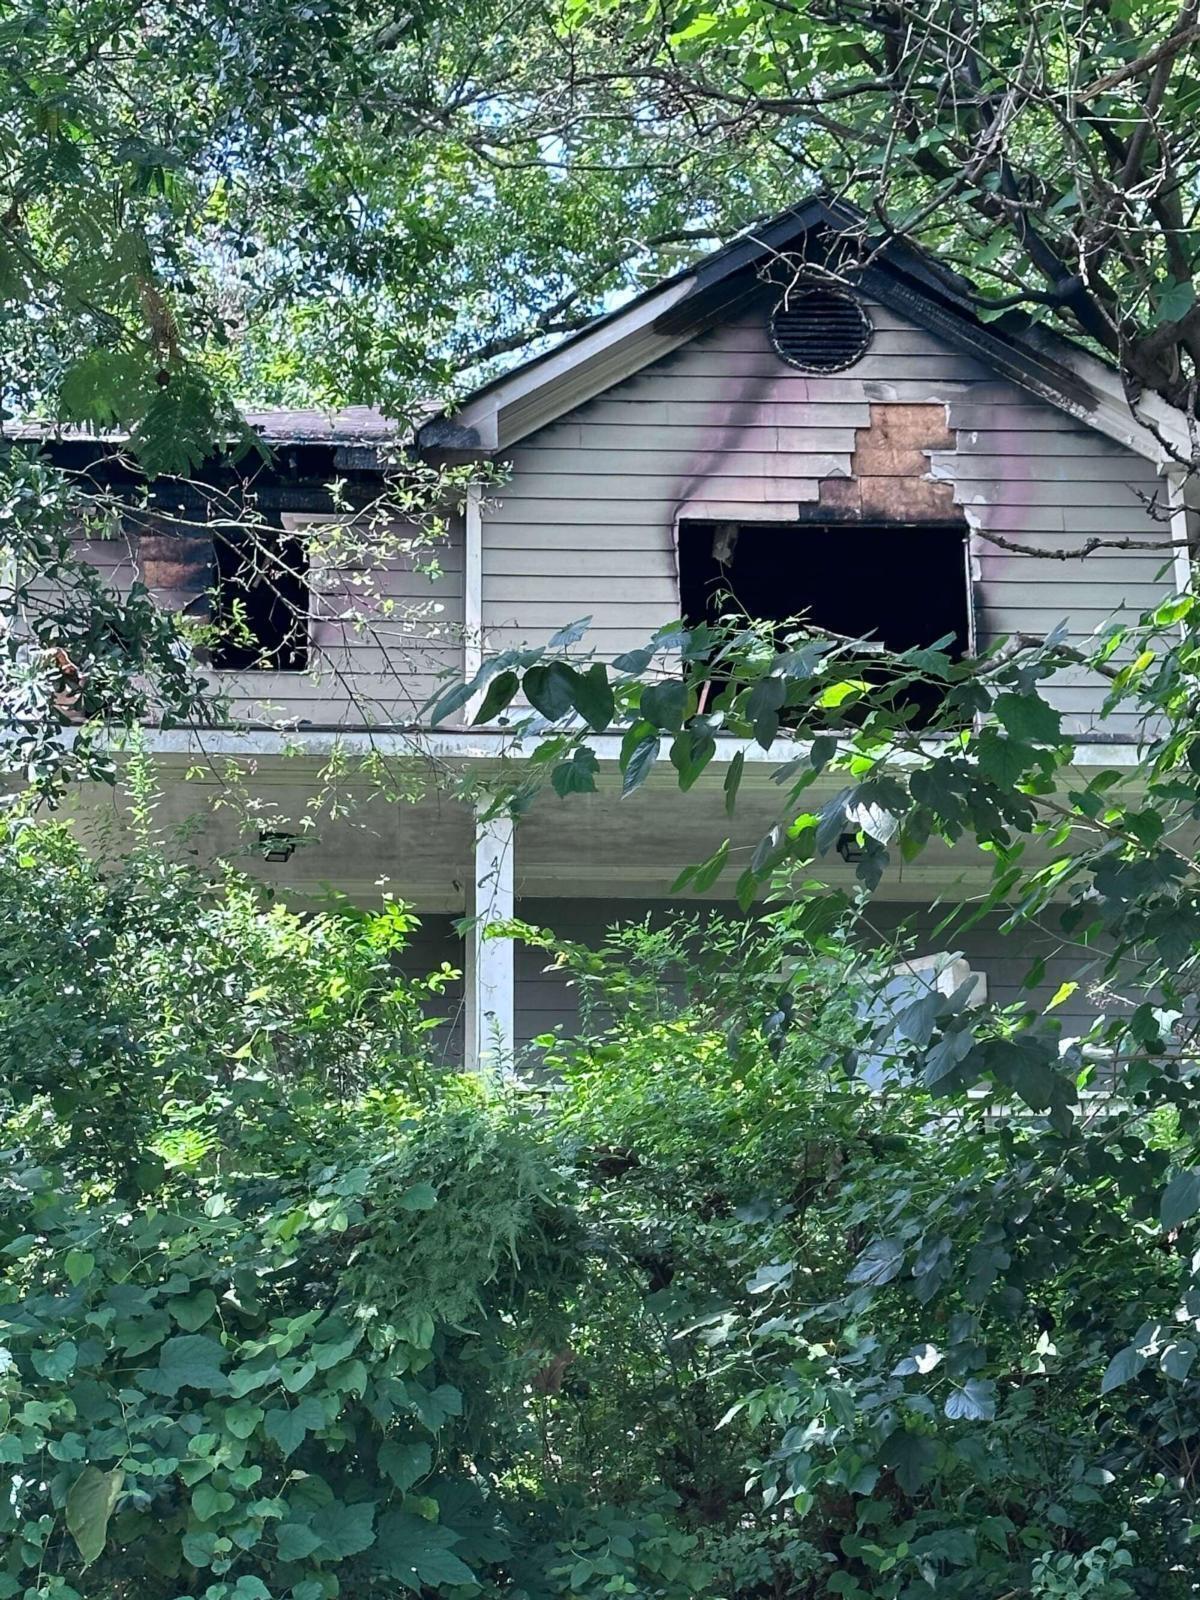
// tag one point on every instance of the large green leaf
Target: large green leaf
(417, 1553)
(1181, 1198)
(90, 1504)
(189, 1360)
(405, 1461)
(287, 1426)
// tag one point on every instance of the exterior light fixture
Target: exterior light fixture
(847, 847)
(276, 845)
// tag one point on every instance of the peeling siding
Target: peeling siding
(723, 428)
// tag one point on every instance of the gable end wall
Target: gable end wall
(722, 428)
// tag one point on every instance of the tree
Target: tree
(1046, 153)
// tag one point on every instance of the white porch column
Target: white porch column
(472, 592)
(490, 977)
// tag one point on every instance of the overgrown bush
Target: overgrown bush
(878, 1341)
(288, 1313)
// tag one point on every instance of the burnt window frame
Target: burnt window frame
(292, 652)
(688, 529)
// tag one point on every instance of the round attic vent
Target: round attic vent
(820, 330)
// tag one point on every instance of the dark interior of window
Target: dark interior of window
(904, 586)
(261, 604)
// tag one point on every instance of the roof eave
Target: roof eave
(624, 341)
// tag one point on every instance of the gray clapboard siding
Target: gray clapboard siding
(383, 638)
(545, 998)
(723, 428)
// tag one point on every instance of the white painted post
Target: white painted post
(1182, 562)
(472, 590)
(490, 974)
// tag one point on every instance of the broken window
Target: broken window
(260, 607)
(902, 586)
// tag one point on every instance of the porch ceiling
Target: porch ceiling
(588, 846)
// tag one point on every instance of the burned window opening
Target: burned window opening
(260, 606)
(902, 586)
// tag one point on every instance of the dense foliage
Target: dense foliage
(284, 200)
(781, 1291)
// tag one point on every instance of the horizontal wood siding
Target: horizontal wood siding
(383, 636)
(546, 1000)
(585, 524)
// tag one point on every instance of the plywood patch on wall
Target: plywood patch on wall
(889, 470)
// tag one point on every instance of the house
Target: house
(866, 448)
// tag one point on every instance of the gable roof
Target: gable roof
(897, 274)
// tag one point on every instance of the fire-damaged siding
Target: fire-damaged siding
(723, 430)
(383, 634)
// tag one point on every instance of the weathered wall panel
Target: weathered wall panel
(383, 635)
(722, 427)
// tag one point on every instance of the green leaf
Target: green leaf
(418, 1553)
(733, 780)
(594, 697)
(194, 1310)
(177, 429)
(89, 1506)
(1027, 716)
(763, 705)
(911, 1457)
(248, 1587)
(879, 1263)
(79, 1265)
(771, 1276)
(1124, 1365)
(576, 776)
(663, 704)
(551, 690)
(190, 1360)
(296, 1541)
(1181, 1199)
(405, 1461)
(499, 695)
(973, 1401)
(637, 765)
(709, 871)
(242, 1419)
(691, 752)
(209, 1502)
(105, 387)
(571, 634)
(1177, 1358)
(947, 1055)
(288, 1426)
(419, 1197)
(1173, 302)
(56, 1364)
(200, 1547)
(345, 1530)
(633, 662)
(433, 1406)
(450, 701)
